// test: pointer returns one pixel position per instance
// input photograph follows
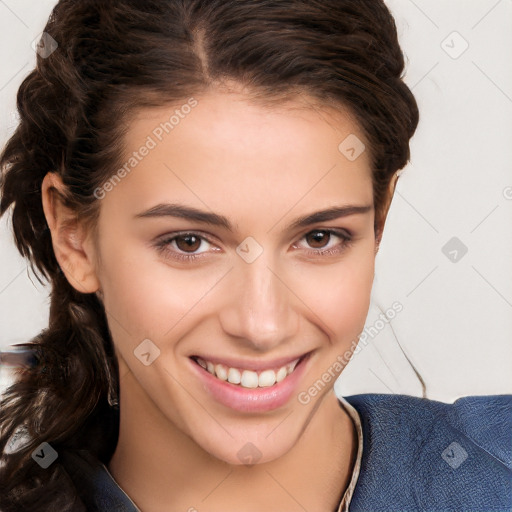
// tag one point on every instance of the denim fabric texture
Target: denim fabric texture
(425, 455)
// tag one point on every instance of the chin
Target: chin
(249, 449)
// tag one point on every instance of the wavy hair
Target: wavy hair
(113, 58)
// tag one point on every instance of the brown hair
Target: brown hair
(117, 56)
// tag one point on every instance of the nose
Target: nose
(259, 311)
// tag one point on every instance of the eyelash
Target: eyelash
(162, 246)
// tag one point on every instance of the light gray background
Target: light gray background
(456, 323)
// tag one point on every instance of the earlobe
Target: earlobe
(69, 236)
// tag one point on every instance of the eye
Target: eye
(324, 241)
(185, 246)
(188, 246)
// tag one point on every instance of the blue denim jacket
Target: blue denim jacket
(418, 455)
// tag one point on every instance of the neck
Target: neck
(162, 469)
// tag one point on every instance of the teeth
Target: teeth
(221, 371)
(248, 378)
(233, 376)
(281, 374)
(267, 378)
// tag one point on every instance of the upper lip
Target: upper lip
(255, 365)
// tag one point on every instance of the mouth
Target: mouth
(250, 386)
(244, 377)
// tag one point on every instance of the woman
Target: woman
(207, 201)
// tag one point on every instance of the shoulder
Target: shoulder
(424, 454)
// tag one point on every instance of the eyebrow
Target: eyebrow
(190, 213)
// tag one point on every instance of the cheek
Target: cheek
(340, 295)
(148, 299)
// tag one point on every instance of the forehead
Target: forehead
(231, 155)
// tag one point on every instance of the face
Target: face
(241, 241)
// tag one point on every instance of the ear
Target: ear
(383, 213)
(72, 245)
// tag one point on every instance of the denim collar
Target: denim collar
(95, 485)
(419, 454)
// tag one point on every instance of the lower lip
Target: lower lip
(251, 399)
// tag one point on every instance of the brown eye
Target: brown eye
(186, 247)
(188, 243)
(325, 242)
(318, 239)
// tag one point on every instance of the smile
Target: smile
(248, 378)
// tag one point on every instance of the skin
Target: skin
(262, 169)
